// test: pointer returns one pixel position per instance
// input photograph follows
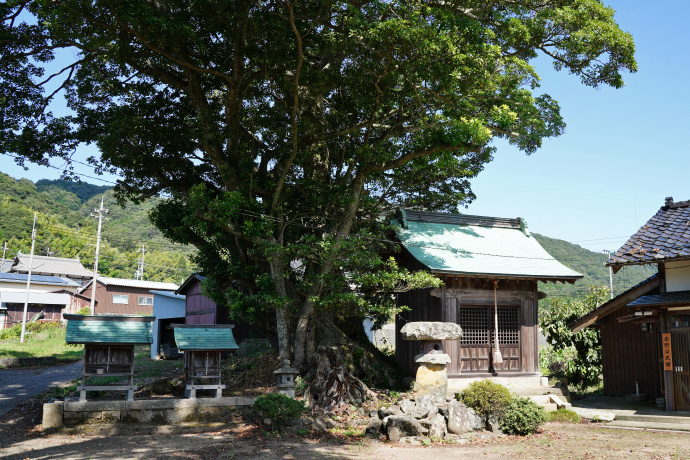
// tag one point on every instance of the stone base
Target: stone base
(432, 380)
(514, 383)
(164, 411)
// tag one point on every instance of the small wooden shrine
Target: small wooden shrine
(203, 345)
(108, 348)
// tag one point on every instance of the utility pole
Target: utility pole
(4, 251)
(98, 247)
(28, 279)
(608, 256)
(140, 265)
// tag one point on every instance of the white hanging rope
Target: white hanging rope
(498, 359)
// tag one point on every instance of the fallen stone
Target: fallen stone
(330, 423)
(458, 418)
(432, 358)
(374, 426)
(437, 428)
(431, 330)
(415, 440)
(52, 415)
(399, 426)
(417, 409)
(493, 424)
(319, 424)
(390, 410)
(373, 413)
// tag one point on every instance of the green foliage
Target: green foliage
(522, 416)
(35, 327)
(84, 311)
(564, 416)
(591, 265)
(282, 132)
(65, 228)
(584, 367)
(82, 190)
(486, 397)
(552, 362)
(279, 408)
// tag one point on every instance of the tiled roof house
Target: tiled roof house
(645, 331)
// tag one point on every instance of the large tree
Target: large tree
(281, 131)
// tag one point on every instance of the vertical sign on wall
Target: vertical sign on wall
(666, 350)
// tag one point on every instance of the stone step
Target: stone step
(534, 391)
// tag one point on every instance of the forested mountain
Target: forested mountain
(591, 265)
(65, 228)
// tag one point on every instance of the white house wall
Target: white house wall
(677, 276)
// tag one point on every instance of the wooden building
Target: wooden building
(108, 349)
(645, 331)
(124, 296)
(199, 309)
(489, 266)
(49, 297)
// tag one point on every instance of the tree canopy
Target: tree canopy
(281, 131)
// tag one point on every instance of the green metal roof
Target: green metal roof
(204, 336)
(475, 245)
(109, 329)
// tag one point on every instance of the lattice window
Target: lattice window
(478, 325)
(508, 326)
(475, 325)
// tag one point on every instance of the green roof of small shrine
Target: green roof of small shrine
(479, 246)
(109, 329)
(204, 337)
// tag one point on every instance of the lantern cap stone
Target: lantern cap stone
(431, 330)
(432, 358)
(286, 369)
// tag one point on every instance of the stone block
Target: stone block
(432, 379)
(432, 358)
(52, 415)
(431, 330)
(399, 426)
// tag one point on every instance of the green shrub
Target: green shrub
(279, 408)
(564, 416)
(15, 332)
(522, 416)
(486, 397)
(85, 311)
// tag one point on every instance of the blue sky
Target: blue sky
(622, 153)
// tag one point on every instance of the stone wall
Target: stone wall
(149, 412)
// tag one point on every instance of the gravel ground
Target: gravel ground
(555, 441)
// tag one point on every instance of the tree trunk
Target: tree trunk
(282, 312)
(343, 365)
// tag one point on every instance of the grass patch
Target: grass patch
(41, 340)
(145, 367)
(564, 416)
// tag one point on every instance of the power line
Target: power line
(48, 165)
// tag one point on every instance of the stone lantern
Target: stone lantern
(286, 379)
(432, 378)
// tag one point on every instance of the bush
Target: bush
(15, 332)
(84, 311)
(279, 408)
(487, 398)
(564, 416)
(523, 416)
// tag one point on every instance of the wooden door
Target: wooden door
(476, 344)
(680, 349)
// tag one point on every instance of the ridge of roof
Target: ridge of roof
(133, 283)
(405, 215)
(665, 236)
(49, 264)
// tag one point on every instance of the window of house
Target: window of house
(145, 300)
(120, 298)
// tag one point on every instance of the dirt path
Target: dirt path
(19, 384)
(556, 441)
